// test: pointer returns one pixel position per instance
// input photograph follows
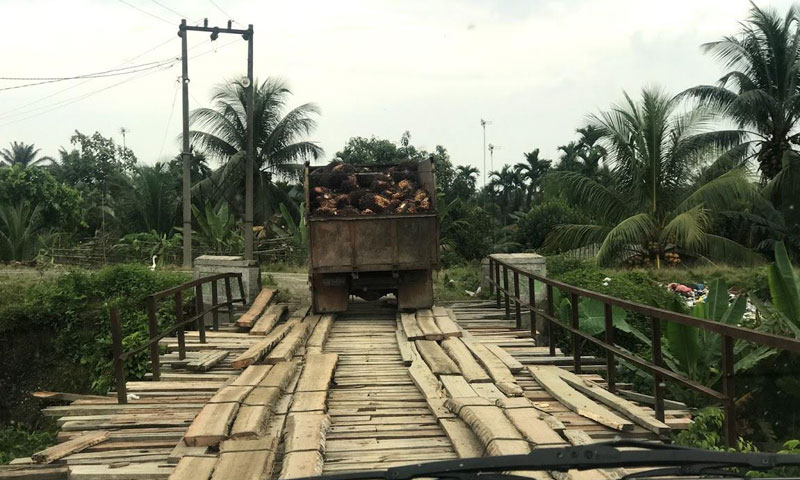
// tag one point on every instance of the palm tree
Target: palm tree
(278, 138)
(19, 231)
(532, 171)
(506, 186)
(464, 182)
(659, 199)
(761, 92)
(155, 197)
(569, 159)
(23, 155)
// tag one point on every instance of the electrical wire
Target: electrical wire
(91, 76)
(221, 10)
(146, 12)
(168, 8)
(169, 120)
(85, 75)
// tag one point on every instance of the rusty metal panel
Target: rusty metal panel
(331, 245)
(416, 240)
(374, 242)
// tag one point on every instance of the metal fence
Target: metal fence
(155, 336)
(505, 296)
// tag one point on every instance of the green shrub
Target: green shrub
(16, 441)
(534, 226)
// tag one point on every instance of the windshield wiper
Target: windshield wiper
(623, 453)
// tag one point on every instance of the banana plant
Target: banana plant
(297, 231)
(782, 315)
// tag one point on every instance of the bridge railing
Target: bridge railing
(506, 296)
(180, 324)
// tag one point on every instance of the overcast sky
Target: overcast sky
(534, 68)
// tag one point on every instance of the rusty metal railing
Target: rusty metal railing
(155, 336)
(730, 333)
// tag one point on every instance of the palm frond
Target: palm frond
(634, 230)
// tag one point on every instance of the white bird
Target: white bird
(153, 266)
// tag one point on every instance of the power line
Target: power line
(169, 120)
(50, 108)
(85, 75)
(221, 10)
(147, 13)
(126, 71)
(168, 8)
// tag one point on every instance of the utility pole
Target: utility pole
(186, 154)
(491, 156)
(485, 173)
(123, 131)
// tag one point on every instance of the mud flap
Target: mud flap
(415, 289)
(330, 293)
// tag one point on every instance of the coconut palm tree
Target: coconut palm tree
(23, 155)
(507, 187)
(659, 199)
(532, 171)
(761, 92)
(464, 182)
(154, 197)
(278, 137)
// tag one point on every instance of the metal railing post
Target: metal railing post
(576, 346)
(658, 387)
(517, 306)
(178, 320)
(728, 389)
(119, 363)
(241, 288)
(491, 276)
(505, 292)
(152, 325)
(497, 279)
(532, 302)
(214, 301)
(611, 365)
(229, 295)
(201, 319)
(551, 314)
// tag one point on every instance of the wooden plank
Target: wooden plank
(257, 351)
(629, 409)
(207, 361)
(252, 465)
(120, 471)
(182, 450)
(504, 357)
(488, 390)
(306, 431)
(464, 441)
(280, 375)
(194, 468)
(317, 372)
(252, 375)
(529, 421)
(267, 321)
(429, 328)
(410, 327)
(231, 393)
(404, 346)
(258, 306)
(576, 401)
(501, 375)
(251, 421)
(267, 442)
(261, 396)
(471, 370)
(302, 465)
(74, 445)
(308, 402)
(456, 386)
(284, 350)
(437, 360)
(448, 327)
(210, 426)
(489, 423)
(34, 472)
(69, 397)
(320, 334)
(424, 379)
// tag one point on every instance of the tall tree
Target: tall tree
(506, 187)
(761, 92)
(23, 155)
(532, 171)
(279, 138)
(657, 201)
(464, 182)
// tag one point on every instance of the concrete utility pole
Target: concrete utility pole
(186, 153)
(491, 156)
(485, 173)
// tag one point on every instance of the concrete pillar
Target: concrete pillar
(206, 265)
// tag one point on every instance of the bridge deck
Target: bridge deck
(378, 416)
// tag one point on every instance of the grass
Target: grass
(16, 442)
(451, 283)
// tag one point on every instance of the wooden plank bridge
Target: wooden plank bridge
(367, 389)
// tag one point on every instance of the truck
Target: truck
(369, 254)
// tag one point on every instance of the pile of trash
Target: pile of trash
(698, 293)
